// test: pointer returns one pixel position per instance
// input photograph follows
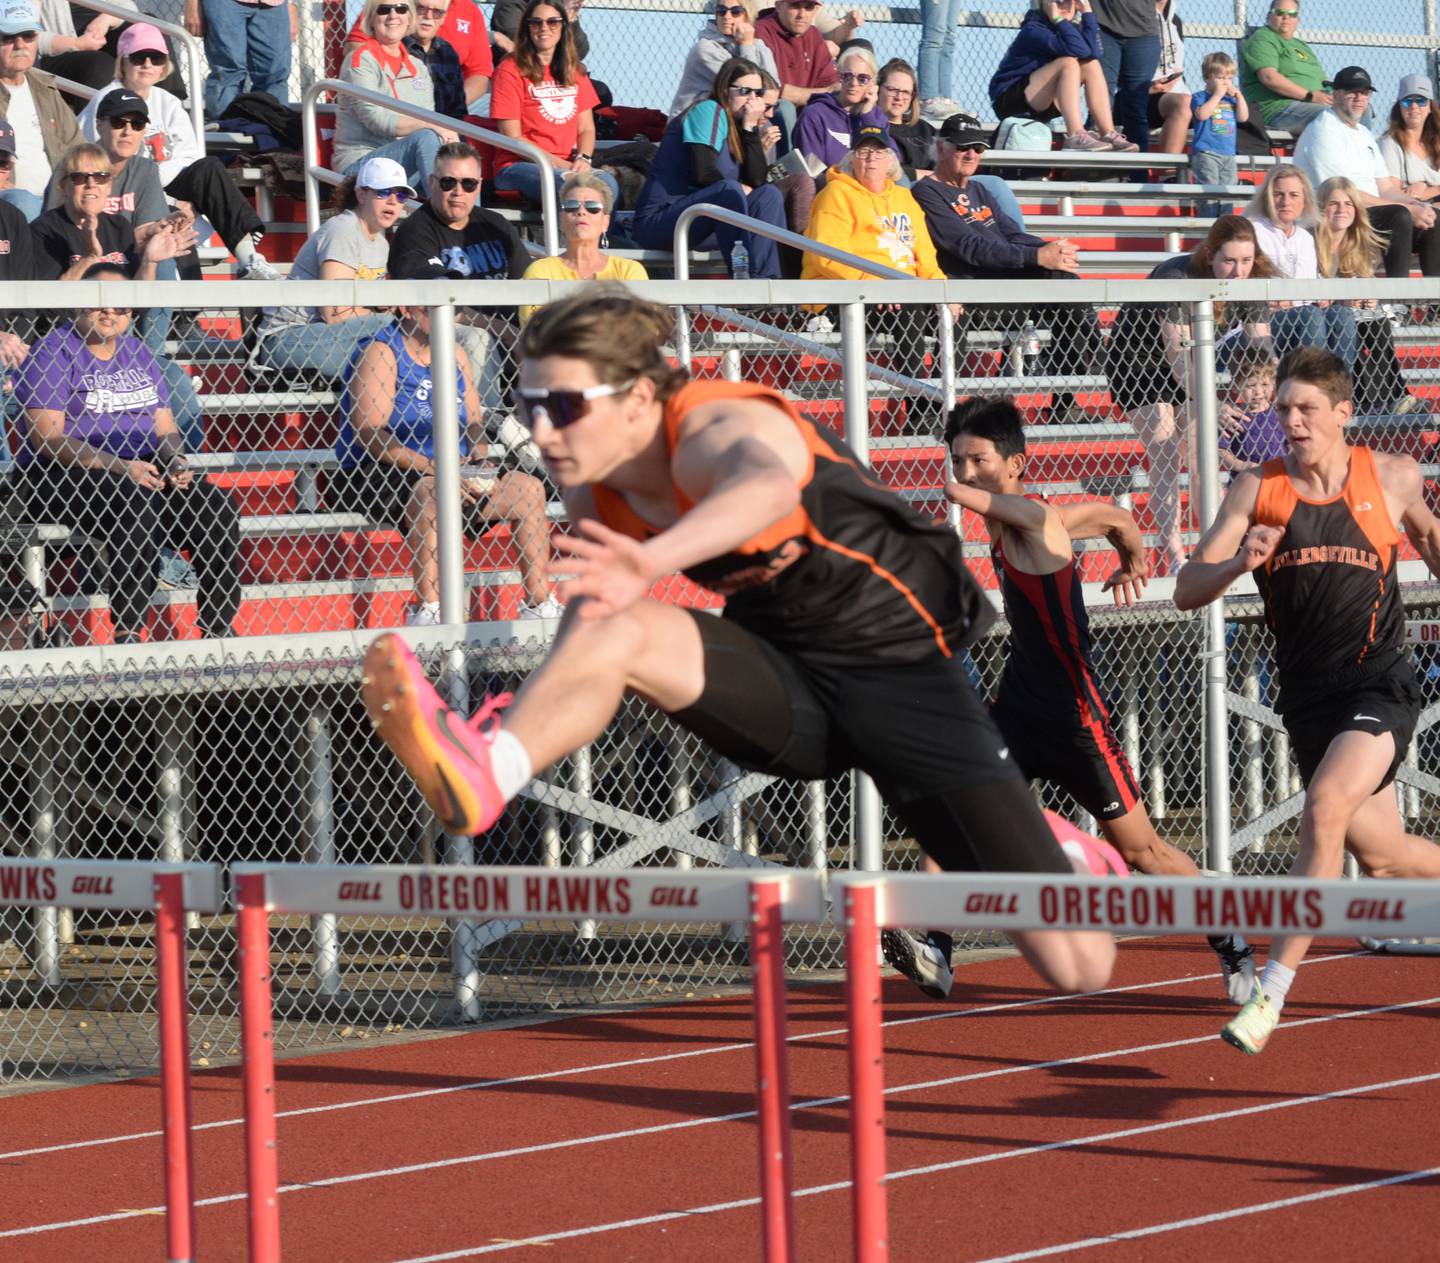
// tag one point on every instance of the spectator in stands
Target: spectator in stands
(584, 220)
(8, 163)
(1411, 143)
(1150, 371)
(1339, 143)
(715, 152)
(29, 100)
(912, 136)
(729, 33)
(939, 32)
(386, 451)
(786, 172)
(198, 183)
(1250, 430)
(1347, 245)
(1129, 53)
(383, 64)
(17, 263)
(102, 455)
(541, 95)
(803, 64)
(976, 239)
(1218, 110)
(507, 18)
(462, 27)
(1168, 106)
(351, 246)
(83, 56)
(829, 124)
(244, 39)
(1053, 60)
(1283, 78)
(1282, 209)
(863, 210)
(440, 58)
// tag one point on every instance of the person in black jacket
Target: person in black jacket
(976, 240)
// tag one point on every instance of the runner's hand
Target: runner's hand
(1259, 545)
(612, 570)
(1127, 585)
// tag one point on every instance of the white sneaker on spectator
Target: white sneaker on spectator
(423, 614)
(259, 270)
(548, 608)
(1085, 142)
(937, 109)
(1118, 142)
(820, 323)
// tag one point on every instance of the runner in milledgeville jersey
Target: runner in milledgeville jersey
(1320, 528)
(1050, 708)
(846, 612)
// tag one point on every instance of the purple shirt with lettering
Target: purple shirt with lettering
(109, 404)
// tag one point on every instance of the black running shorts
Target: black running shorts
(918, 729)
(1389, 702)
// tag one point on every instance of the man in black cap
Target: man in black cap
(976, 240)
(1338, 143)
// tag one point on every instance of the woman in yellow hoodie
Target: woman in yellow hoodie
(863, 211)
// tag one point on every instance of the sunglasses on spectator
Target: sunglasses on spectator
(7, 160)
(739, 91)
(128, 122)
(572, 207)
(390, 195)
(862, 80)
(561, 408)
(729, 10)
(971, 148)
(448, 182)
(114, 311)
(1286, 13)
(21, 37)
(536, 24)
(1414, 102)
(433, 15)
(385, 10)
(146, 57)
(78, 178)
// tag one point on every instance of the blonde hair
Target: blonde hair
(1355, 253)
(858, 54)
(588, 180)
(750, 7)
(1262, 204)
(85, 149)
(1215, 63)
(367, 16)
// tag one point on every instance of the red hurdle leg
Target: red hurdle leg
(867, 1073)
(257, 1047)
(767, 960)
(172, 1004)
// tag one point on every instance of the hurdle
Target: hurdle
(171, 890)
(864, 904)
(766, 901)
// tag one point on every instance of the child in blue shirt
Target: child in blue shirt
(1217, 110)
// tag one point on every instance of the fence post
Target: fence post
(867, 1071)
(172, 1006)
(767, 960)
(257, 1050)
(318, 829)
(1205, 503)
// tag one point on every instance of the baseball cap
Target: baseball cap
(1415, 85)
(1352, 79)
(7, 137)
(141, 37)
(18, 16)
(870, 135)
(383, 173)
(964, 129)
(122, 103)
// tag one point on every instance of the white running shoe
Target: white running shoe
(259, 270)
(423, 614)
(938, 108)
(1250, 1029)
(1085, 142)
(919, 960)
(1237, 967)
(548, 608)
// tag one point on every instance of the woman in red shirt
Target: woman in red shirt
(541, 95)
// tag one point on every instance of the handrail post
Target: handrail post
(445, 404)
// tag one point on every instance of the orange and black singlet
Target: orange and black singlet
(852, 573)
(1330, 590)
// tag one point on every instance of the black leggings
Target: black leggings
(207, 185)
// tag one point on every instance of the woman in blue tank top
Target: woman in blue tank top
(386, 450)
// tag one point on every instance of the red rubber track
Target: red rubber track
(1147, 1121)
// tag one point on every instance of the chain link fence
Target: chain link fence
(251, 745)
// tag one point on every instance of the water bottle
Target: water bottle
(739, 262)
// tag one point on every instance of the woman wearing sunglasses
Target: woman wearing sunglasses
(715, 152)
(830, 122)
(190, 176)
(540, 94)
(386, 452)
(101, 454)
(584, 220)
(729, 33)
(382, 63)
(1411, 143)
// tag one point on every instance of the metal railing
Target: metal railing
(187, 42)
(315, 173)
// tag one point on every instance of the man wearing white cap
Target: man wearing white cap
(1411, 144)
(30, 102)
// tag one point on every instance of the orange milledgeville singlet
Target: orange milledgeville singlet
(1331, 596)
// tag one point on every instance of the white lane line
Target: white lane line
(1075, 1143)
(1219, 1216)
(579, 1142)
(573, 1071)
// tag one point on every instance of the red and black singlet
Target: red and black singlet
(1330, 590)
(852, 573)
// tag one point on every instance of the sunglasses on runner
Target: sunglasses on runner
(561, 408)
(573, 207)
(447, 183)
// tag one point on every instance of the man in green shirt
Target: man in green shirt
(1282, 75)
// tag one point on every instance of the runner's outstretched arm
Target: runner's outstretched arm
(1233, 546)
(1091, 519)
(1422, 527)
(1019, 512)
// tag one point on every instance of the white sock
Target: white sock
(510, 762)
(1275, 980)
(430, 607)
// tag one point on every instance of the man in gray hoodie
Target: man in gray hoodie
(729, 33)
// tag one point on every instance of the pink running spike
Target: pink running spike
(1091, 857)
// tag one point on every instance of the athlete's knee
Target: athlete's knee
(1327, 815)
(1087, 964)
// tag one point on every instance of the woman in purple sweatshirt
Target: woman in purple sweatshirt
(829, 123)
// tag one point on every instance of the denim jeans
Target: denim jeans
(415, 152)
(1295, 116)
(185, 404)
(1129, 66)
(1311, 325)
(317, 349)
(155, 321)
(657, 232)
(939, 30)
(1001, 198)
(524, 178)
(241, 40)
(1208, 167)
(24, 201)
